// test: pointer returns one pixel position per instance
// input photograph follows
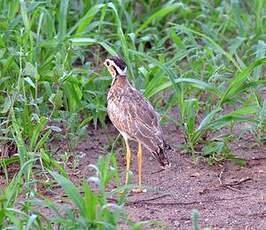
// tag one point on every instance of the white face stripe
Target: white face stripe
(120, 71)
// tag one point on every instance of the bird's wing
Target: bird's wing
(135, 116)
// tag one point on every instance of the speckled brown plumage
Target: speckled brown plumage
(135, 118)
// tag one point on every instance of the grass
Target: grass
(209, 56)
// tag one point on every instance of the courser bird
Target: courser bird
(134, 117)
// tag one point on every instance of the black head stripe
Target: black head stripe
(119, 62)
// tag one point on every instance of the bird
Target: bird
(134, 117)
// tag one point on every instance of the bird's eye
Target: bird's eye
(108, 63)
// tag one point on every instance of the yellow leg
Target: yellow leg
(139, 189)
(140, 165)
(128, 158)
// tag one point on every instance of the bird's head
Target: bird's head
(116, 66)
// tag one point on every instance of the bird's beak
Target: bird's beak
(110, 69)
(105, 64)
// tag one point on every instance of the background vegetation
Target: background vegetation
(206, 58)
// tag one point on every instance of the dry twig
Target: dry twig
(183, 203)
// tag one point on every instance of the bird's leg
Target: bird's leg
(139, 189)
(128, 158)
(139, 164)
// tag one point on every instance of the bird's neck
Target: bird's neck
(120, 81)
(120, 85)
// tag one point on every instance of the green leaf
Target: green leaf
(71, 191)
(83, 41)
(63, 18)
(195, 220)
(10, 160)
(239, 79)
(24, 15)
(6, 105)
(91, 41)
(86, 19)
(122, 38)
(260, 53)
(239, 115)
(36, 132)
(29, 81)
(215, 45)
(235, 44)
(30, 70)
(204, 125)
(73, 94)
(16, 132)
(162, 12)
(50, 163)
(90, 203)
(193, 82)
(42, 140)
(207, 120)
(172, 76)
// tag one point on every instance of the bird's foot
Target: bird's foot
(168, 166)
(139, 190)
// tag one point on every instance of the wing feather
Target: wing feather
(132, 114)
(136, 118)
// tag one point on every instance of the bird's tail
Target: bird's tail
(162, 154)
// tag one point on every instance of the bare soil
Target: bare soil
(228, 196)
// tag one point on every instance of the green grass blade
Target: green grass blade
(158, 15)
(190, 81)
(63, 19)
(90, 203)
(7, 161)
(36, 132)
(239, 79)
(71, 191)
(217, 47)
(91, 41)
(239, 115)
(260, 53)
(122, 38)
(13, 189)
(17, 135)
(26, 22)
(81, 25)
(252, 85)
(204, 125)
(207, 120)
(237, 14)
(42, 140)
(172, 76)
(24, 15)
(195, 220)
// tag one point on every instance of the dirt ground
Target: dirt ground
(227, 195)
